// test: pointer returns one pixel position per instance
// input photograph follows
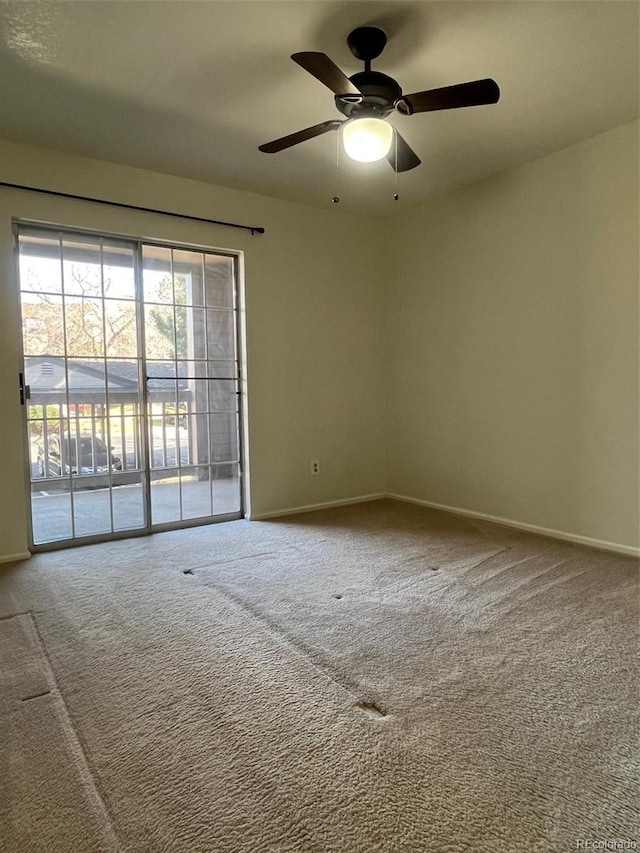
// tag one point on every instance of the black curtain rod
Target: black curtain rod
(255, 229)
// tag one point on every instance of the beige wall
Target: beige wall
(513, 376)
(313, 317)
(499, 333)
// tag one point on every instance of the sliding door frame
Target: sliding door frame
(137, 244)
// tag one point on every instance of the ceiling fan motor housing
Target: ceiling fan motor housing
(379, 96)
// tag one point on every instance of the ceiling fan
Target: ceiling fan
(368, 97)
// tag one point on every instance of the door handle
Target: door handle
(25, 390)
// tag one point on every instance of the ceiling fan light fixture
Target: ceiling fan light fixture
(367, 139)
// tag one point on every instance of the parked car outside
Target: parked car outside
(75, 454)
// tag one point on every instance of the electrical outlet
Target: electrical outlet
(315, 467)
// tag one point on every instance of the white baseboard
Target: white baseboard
(262, 516)
(15, 558)
(600, 544)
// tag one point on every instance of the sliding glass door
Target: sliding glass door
(130, 385)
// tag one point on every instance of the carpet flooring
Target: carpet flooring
(380, 677)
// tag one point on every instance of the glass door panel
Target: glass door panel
(83, 368)
(190, 339)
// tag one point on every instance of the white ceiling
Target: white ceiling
(192, 88)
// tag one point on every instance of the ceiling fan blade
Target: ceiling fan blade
(451, 97)
(299, 136)
(326, 71)
(406, 157)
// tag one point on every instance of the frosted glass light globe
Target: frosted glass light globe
(367, 139)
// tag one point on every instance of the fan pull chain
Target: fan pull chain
(396, 197)
(336, 197)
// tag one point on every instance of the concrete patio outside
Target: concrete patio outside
(51, 512)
